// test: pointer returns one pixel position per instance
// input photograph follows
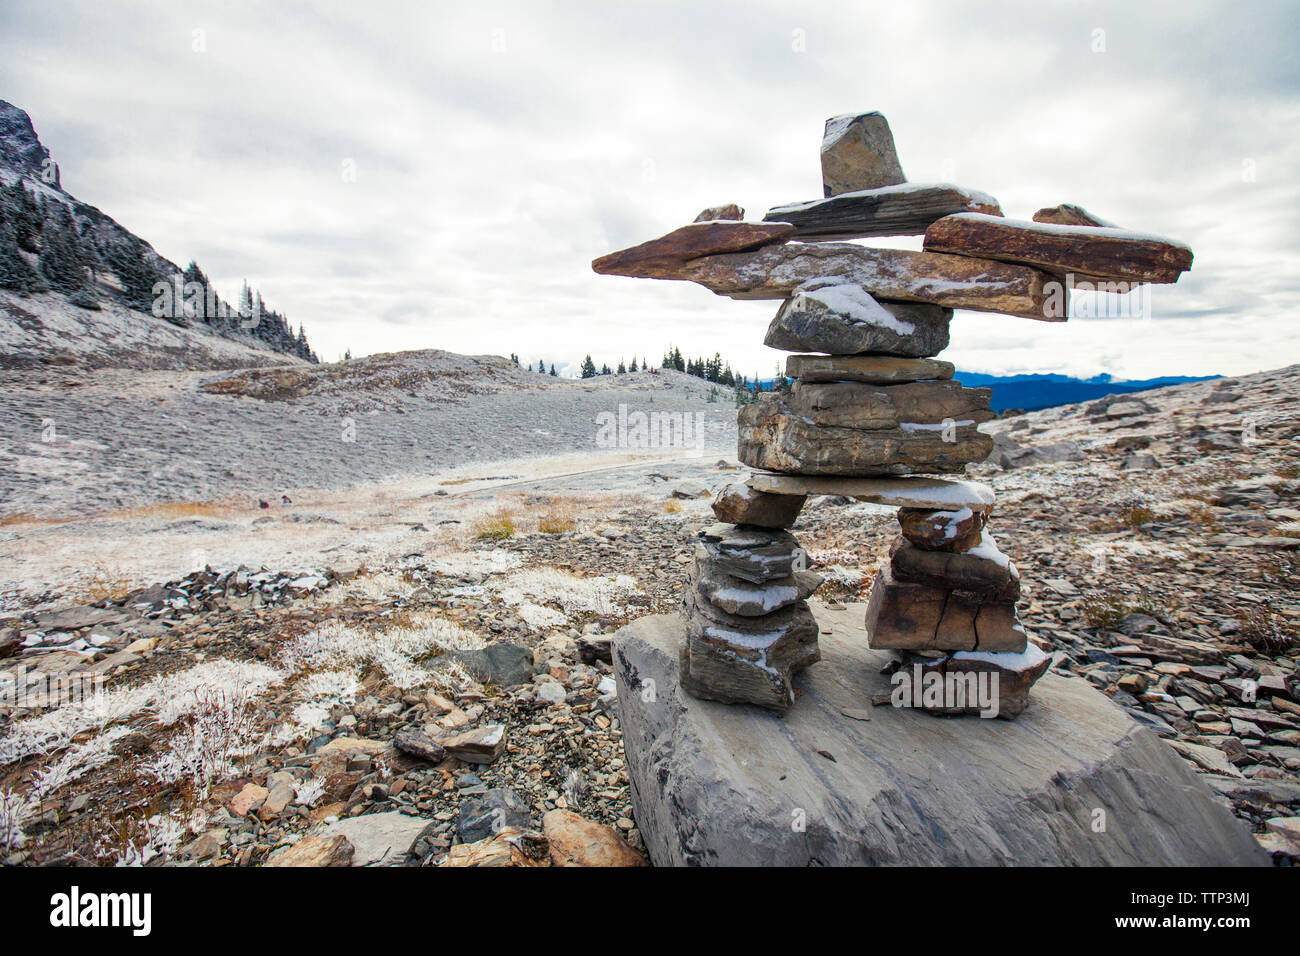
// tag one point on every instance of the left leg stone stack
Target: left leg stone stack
(748, 625)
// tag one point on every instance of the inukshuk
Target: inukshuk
(871, 414)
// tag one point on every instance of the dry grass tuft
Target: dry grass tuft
(1267, 632)
(496, 527)
(560, 519)
(108, 586)
(1105, 609)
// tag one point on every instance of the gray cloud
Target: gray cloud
(498, 148)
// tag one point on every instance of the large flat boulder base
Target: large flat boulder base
(723, 784)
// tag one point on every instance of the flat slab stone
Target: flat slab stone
(774, 434)
(939, 493)
(871, 369)
(698, 239)
(730, 785)
(955, 282)
(1092, 251)
(378, 838)
(901, 210)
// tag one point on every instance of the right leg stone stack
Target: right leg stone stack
(947, 604)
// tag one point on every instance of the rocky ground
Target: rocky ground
(333, 707)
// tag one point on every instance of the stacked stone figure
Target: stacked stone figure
(871, 413)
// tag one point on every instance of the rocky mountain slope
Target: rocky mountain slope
(60, 257)
(421, 656)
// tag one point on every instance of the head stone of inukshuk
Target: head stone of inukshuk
(873, 415)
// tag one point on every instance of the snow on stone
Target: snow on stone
(1074, 232)
(1031, 656)
(854, 303)
(772, 597)
(988, 550)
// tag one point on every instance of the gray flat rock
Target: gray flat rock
(718, 784)
(910, 492)
(378, 838)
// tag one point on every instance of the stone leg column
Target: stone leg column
(748, 625)
(947, 603)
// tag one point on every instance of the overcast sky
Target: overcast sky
(498, 149)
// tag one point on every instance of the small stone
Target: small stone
(333, 850)
(500, 663)
(551, 692)
(1069, 215)
(934, 530)
(351, 745)
(280, 793)
(729, 212)
(738, 503)
(491, 813)
(417, 743)
(688, 490)
(1132, 683)
(500, 849)
(574, 841)
(480, 746)
(379, 838)
(247, 800)
(1288, 829)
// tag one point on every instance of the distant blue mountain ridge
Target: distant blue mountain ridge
(1045, 390)
(1032, 392)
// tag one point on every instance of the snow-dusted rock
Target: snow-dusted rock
(1087, 252)
(754, 554)
(745, 660)
(735, 595)
(936, 530)
(905, 209)
(840, 318)
(1075, 781)
(897, 492)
